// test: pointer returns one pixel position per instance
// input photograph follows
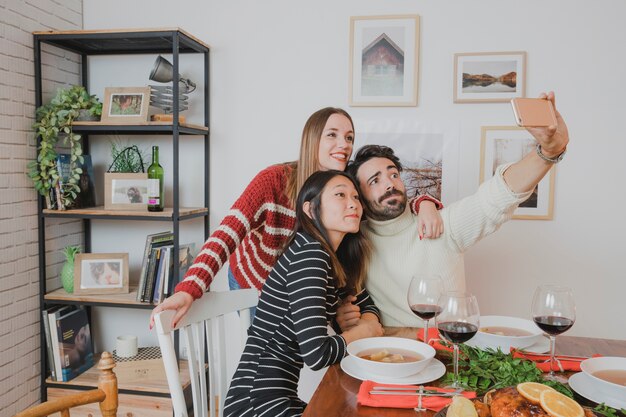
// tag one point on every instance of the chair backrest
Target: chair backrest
(106, 395)
(202, 330)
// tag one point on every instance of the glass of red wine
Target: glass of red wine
(424, 292)
(554, 312)
(457, 323)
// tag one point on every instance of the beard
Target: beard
(387, 210)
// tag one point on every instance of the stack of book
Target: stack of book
(158, 278)
(68, 341)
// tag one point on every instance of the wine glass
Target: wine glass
(554, 312)
(424, 292)
(457, 323)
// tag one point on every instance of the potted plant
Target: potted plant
(53, 124)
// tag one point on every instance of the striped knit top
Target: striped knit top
(252, 234)
(296, 305)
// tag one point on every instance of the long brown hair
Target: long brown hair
(349, 262)
(308, 162)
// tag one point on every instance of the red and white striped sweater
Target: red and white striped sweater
(252, 235)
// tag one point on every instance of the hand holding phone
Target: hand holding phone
(533, 112)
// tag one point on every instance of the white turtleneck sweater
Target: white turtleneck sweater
(398, 253)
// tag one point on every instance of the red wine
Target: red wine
(457, 331)
(553, 325)
(426, 311)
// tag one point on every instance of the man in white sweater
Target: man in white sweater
(397, 251)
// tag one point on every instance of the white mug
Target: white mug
(126, 346)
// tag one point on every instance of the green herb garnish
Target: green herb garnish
(607, 411)
(482, 370)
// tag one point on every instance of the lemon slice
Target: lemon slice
(461, 407)
(532, 390)
(559, 405)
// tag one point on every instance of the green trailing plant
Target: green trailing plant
(53, 126)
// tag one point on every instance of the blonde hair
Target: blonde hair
(308, 162)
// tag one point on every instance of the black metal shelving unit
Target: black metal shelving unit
(123, 42)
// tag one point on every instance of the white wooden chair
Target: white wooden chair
(202, 330)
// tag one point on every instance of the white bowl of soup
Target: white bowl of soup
(505, 332)
(608, 373)
(391, 356)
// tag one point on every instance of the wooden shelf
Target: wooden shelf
(100, 212)
(150, 128)
(89, 379)
(123, 300)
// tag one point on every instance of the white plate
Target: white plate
(585, 386)
(504, 343)
(432, 372)
(542, 346)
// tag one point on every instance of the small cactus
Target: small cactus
(67, 273)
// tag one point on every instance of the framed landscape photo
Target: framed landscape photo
(504, 144)
(384, 53)
(101, 273)
(489, 76)
(126, 191)
(125, 105)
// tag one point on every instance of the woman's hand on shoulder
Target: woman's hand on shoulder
(180, 301)
(429, 221)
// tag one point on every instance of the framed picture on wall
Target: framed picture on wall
(125, 105)
(489, 76)
(384, 54)
(504, 144)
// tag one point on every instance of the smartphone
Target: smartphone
(532, 112)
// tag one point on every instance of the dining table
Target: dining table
(336, 394)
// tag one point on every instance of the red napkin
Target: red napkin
(404, 401)
(543, 361)
(433, 339)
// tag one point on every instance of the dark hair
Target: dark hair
(368, 152)
(349, 262)
(308, 162)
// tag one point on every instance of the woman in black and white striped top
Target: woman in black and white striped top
(324, 261)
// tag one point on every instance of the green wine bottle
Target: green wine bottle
(155, 183)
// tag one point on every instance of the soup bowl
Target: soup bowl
(594, 368)
(524, 333)
(411, 349)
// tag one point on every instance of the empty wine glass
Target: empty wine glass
(424, 292)
(554, 312)
(457, 323)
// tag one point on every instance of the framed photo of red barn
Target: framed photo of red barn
(384, 54)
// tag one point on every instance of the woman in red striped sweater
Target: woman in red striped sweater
(253, 233)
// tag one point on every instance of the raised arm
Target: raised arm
(525, 175)
(429, 221)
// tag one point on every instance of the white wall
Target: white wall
(275, 62)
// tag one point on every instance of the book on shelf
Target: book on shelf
(47, 334)
(86, 196)
(162, 275)
(52, 315)
(186, 256)
(152, 240)
(75, 346)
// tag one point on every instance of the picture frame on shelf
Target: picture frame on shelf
(504, 144)
(126, 191)
(125, 105)
(489, 77)
(101, 273)
(384, 52)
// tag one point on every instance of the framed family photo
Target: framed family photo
(101, 273)
(126, 191)
(125, 105)
(503, 144)
(489, 76)
(384, 54)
